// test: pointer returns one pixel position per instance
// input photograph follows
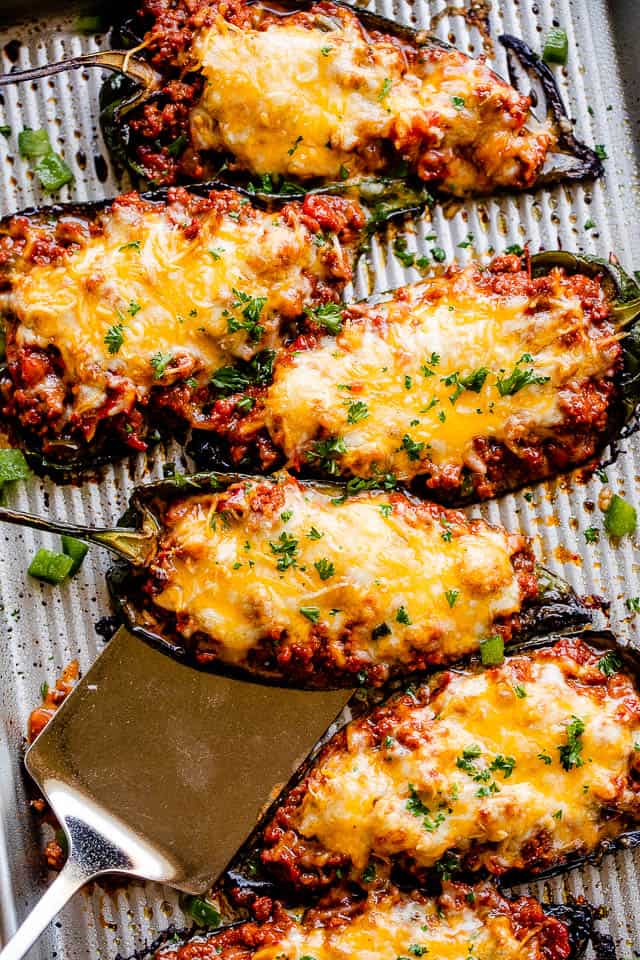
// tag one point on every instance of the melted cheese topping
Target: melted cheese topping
(449, 792)
(170, 295)
(391, 385)
(354, 566)
(389, 929)
(297, 101)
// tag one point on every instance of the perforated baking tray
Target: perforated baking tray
(42, 628)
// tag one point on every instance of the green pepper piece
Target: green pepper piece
(204, 913)
(556, 46)
(620, 517)
(33, 143)
(50, 566)
(13, 466)
(53, 172)
(76, 549)
(88, 24)
(492, 651)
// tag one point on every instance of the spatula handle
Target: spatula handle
(72, 876)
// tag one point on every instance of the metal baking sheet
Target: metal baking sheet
(44, 627)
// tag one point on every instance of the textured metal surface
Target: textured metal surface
(43, 627)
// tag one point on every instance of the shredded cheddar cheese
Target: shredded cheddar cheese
(142, 302)
(441, 364)
(377, 577)
(389, 928)
(498, 764)
(307, 101)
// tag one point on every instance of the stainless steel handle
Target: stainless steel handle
(72, 876)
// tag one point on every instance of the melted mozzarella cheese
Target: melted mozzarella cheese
(397, 926)
(298, 101)
(168, 295)
(448, 792)
(406, 361)
(356, 565)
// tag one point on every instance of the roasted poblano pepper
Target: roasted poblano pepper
(301, 92)
(294, 582)
(463, 386)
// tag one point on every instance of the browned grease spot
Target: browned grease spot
(566, 556)
(475, 14)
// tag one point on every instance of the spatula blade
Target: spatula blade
(171, 766)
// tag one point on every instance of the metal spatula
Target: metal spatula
(157, 770)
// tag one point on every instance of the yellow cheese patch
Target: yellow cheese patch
(305, 102)
(490, 772)
(400, 926)
(141, 301)
(416, 380)
(374, 561)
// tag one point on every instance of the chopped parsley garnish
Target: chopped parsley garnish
(325, 568)
(610, 663)
(286, 549)
(452, 596)
(418, 950)
(467, 242)
(504, 764)
(114, 337)
(433, 361)
(570, 752)
(344, 172)
(408, 382)
(386, 87)
(251, 309)
(438, 254)
(589, 224)
(458, 102)
(546, 759)
(412, 448)
(415, 806)
(160, 361)
(592, 535)
(402, 616)
(311, 613)
(235, 379)
(245, 404)
(519, 377)
(516, 249)
(328, 315)
(633, 604)
(314, 534)
(325, 454)
(474, 382)
(325, 51)
(286, 515)
(216, 252)
(520, 691)
(133, 308)
(601, 151)
(295, 146)
(132, 245)
(406, 257)
(386, 509)
(175, 149)
(369, 873)
(446, 535)
(448, 865)
(557, 815)
(358, 410)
